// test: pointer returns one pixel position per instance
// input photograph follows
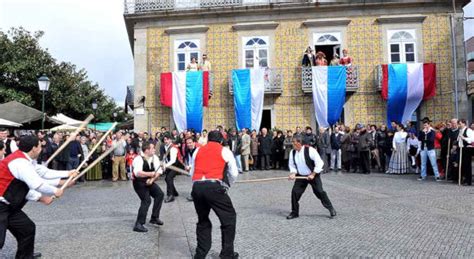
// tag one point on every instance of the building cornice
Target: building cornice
(187, 29)
(327, 22)
(255, 26)
(415, 18)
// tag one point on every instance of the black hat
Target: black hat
(426, 120)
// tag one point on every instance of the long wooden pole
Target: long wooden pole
(89, 167)
(71, 138)
(91, 152)
(271, 179)
(460, 166)
(447, 159)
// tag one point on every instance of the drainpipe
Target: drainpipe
(455, 57)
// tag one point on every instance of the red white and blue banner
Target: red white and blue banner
(249, 89)
(404, 86)
(186, 93)
(329, 93)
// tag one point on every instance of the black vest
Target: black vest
(8, 148)
(146, 168)
(427, 139)
(309, 162)
(464, 134)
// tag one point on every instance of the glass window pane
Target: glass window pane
(181, 57)
(262, 53)
(249, 63)
(410, 47)
(182, 46)
(249, 54)
(192, 45)
(263, 62)
(181, 66)
(410, 57)
(249, 43)
(395, 58)
(394, 48)
(194, 54)
(261, 42)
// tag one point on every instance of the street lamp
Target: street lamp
(43, 83)
(94, 107)
(115, 116)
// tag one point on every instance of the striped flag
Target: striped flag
(329, 93)
(404, 86)
(186, 93)
(249, 88)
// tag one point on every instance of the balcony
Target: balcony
(145, 6)
(352, 81)
(273, 82)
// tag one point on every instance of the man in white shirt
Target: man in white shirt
(465, 141)
(305, 161)
(10, 145)
(144, 168)
(170, 156)
(22, 179)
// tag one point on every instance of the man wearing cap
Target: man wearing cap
(211, 181)
(305, 161)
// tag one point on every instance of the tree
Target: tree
(23, 61)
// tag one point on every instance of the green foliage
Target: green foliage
(23, 61)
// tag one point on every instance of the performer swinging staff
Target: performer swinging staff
(210, 185)
(305, 161)
(144, 168)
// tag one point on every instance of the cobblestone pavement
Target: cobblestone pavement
(378, 216)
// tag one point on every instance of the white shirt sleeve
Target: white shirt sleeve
(291, 163)
(232, 169)
(137, 166)
(191, 172)
(318, 162)
(13, 146)
(33, 195)
(173, 156)
(470, 136)
(24, 170)
(47, 173)
(157, 164)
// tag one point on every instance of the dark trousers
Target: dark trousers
(466, 167)
(255, 162)
(21, 227)
(364, 158)
(207, 196)
(145, 193)
(169, 179)
(264, 161)
(382, 160)
(300, 186)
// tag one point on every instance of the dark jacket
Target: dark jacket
(309, 139)
(336, 141)
(238, 144)
(307, 62)
(265, 147)
(365, 141)
(427, 139)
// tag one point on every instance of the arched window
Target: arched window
(402, 46)
(185, 49)
(327, 38)
(255, 52)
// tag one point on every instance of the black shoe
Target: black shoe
(36, 255)
(438, 179)
(189, 198)
(333, 212)
(234, 256)
(292, 216)
(169, 199)
(156, 222)
(139, 228)
(176, 194)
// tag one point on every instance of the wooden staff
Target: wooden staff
(447, 159)
(84, 161)
(71, 138)
(271, 179)
(89, 167)
(150, 181)
(460, 166)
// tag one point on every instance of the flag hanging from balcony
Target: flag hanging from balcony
(186, 93)
(329, 93)
(404, 86)
(249, 88)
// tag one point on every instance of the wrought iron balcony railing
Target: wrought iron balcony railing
(352, 81)
(144, 6)
(273, 81)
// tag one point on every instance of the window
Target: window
(328, 38)
(255, 52)
(184, 51)
(402, 46)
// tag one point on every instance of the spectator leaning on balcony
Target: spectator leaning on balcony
(207, 66)
(193, 66)
(335, 60)
(345, 60)
(321, 59)
(308, 58)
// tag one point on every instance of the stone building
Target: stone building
(274, 33)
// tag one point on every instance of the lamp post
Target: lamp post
(115, 117)
(94, 107)
(43, 83)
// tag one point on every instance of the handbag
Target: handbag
(251, 160)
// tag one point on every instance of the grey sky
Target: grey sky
(88, 33)
(92, 35)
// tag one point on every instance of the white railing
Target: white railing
(273, 81)
(143, 6)
(352, 80)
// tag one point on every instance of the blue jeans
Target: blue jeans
(431, 154)
(239, 162)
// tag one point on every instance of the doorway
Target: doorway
(266, 119)
(329, 51)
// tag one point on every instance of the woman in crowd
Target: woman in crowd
(399, 161)
(254, 149)
(193, 66)
(353, 149)
(308, 58)
(346, 149)
(96, 172)
(287, 146)
(321, 59)
(346, 60)
(437, 144)
(381, 139)
(413, 146)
